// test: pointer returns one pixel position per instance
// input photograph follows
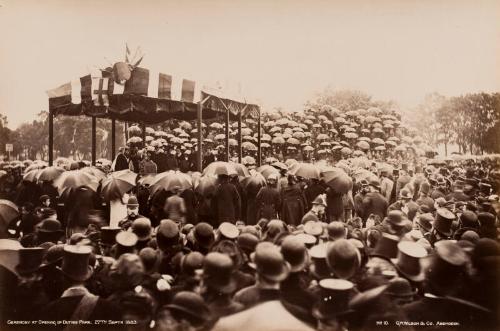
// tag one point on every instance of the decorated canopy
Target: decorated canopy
(137, 94)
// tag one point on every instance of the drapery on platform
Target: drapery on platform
(147, 97)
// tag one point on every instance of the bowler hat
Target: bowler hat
(425, 221)
(132, 201)
(375, 183)
(108, 235)
(468, 219)
(167, 234)
(295, 253)
(247, 242)
(336, 230)
(204, 234)
(50, 225)
(408, 260)
(149, 258)
(269, 262)
(142, 228)
(387, 247)
(334, 298)
(343, 258)
(75, 263)
(191, 262)
(399, 287)
(30, 260)
(189, 306)
(396, 217)
(443, 221)
(228, 230)
(53, 256)
(405, 194)
(218, 272)
(445, 266)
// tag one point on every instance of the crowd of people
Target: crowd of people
(381, 241)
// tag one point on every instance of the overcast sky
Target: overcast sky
(281, 52)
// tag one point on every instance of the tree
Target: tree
(344, 100)
(424, 117)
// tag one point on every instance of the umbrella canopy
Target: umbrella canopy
(280, 165)
(350, 135)
(298, 135)
(75, 178)
(265, 137)
(391, 143)
(363, 174)
(8, 212)
(36, 165)
(254, 182)
(393, 139)
(278, 140)
(249, 146)
(216, 126)
(346, 150)
(171, 180)
(241, 170)
(305, 170)
(220, 136)
(308, 148)
(266, 170)
(363, 145)
(97, 173)
(293, 141)
(380, 148)
(29, 176)
(3, 173)
(117, 184)
(219, 168)
(265, 145)
(401, 148)
(322, 136)
(206, 186)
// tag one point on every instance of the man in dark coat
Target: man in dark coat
(171, 160)
(161, 161)
(312, 190)
(121, 159)
(374, 202)
(77, 303)
(405, 204)
(226, 201)
(268, 200)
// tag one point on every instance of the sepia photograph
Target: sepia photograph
(250, 165)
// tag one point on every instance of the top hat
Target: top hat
(313, 228)
(334, 298)
(336, 230)
(295, 253)
(408, 260)
(30, 260)
(43, 198)
(269, 262)
(228, 230)
(108, 235)
(75, 263)
(443, 221)
(53, 256)
(446, 265)
(319, 267)
(343, 258)
(387, 247)
(218, 271)
(366, 298)
(204, 234)
(189, 306)
(375, 183)
(142, 228)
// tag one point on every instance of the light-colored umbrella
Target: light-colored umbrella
(278, 140)
(219, 168)
(305, 170)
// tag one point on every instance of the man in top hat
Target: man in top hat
(132, 213)
(440, 189)
(312, 190)
(143, 230)
(226, 201)
(170, 246)
(442, 226)
(317, 210)
(271, 270)
(76, 302)
(268, 199)
(403, 178)
(458, 192)
(424, 198)
(386, 184)
(405, 204)
(175, 206)
(121, 159)
(373, 202)
(333, 303)
(147, 166)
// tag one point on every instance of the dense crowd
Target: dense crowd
(285, 246)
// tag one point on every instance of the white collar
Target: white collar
(75, 291)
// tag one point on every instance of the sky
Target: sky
(280, 52)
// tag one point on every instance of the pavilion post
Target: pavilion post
(200, 137)
(143, 128)
(239, 137)
(113, 138)
(259, 155)
(94, 129)
(227, 134)
(51, 138)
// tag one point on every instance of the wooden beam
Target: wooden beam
(259, 154)
(94, 129)
(51, 138)
(200, 137)
(113, 139)
(227, 135)
(240, 138)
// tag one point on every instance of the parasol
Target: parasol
(75, 178)
(8, 212)
(171, 180)
(305, 170)
(206, 186)
(363, 145)
(266, 170)
(117, 184)
(219, 168)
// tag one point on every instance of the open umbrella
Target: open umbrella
(280, 166)
(346, 150)
(350, 135)
(265, 145)
(206, 186)
(241, 170)
(290, 162)
(248, 146)
(363, 145)
(265, 137)
(308, 148)
(97, 173)
(278, 140)
(75, 178)
(49, 173)
(170, 180)
(8, 212)
(322, 136)
(30, 176)
(219, 168)
(380, 148)
(266, 170)
(117, 184)
(254, 182)
(293, 141)
(216, 126)
(305, 170)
